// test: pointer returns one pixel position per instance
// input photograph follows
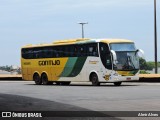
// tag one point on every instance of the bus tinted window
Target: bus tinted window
(92, 49)
(71, 51)
(81, 50)
(105, 55)
(37, 53)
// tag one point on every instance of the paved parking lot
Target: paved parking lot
(26, 96)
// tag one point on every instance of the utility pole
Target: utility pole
(155, 37)
(83, 23)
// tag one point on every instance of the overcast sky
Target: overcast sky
(44, 21)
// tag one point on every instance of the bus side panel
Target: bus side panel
(57, 68)
(29, 71)
(24, 74)
(73, 69)
(25, 66)
(93, 65)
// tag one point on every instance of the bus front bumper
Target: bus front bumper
(123, 78)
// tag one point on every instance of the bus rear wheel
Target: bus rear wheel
(37, 79)
(94, 79)
(44, 79)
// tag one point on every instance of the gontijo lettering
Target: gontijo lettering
(49, 62)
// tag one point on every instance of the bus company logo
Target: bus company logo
(93, 62)
(6, 114)
(49, 62)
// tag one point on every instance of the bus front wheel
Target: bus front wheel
(94, 79)
(37, 79)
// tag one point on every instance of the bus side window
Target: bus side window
(71, 51)
(36, 53)
(81, 50)
(66, 52)
(41, 53)
(76, 53)
(54, 52)
(57, 51)
(30, 54)
(48, 52)
(92, 49)
(24, 53)
(60, 51)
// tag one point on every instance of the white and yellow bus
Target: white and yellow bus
(81, 60)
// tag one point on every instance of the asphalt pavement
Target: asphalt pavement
(26, 96)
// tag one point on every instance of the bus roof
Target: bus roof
(79, 41)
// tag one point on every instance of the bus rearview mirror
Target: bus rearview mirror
(140, 53)
(114, 57)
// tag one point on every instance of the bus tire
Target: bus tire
(94, 79)
(117, 83)
(37, 79)
(44, 79)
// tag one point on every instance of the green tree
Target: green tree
(143, 64)
(146, 65)
(150, 65)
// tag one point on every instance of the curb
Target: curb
(19, 78)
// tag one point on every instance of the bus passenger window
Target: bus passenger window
(92, 49)
(30, 54)
(71, 51)
(24, 53)
(82, 50)
(76, 52)
(49, 53)
(58, 52)
(36, 53)
(65, 51)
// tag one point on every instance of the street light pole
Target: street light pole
(155, 37)
(82, 23)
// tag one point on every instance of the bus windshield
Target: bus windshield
(126, 56)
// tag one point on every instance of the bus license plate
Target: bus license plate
(128, 78)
